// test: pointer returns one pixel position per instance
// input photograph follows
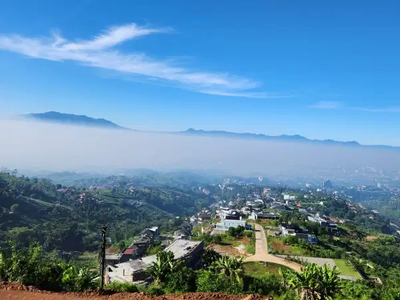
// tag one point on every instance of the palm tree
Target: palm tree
(314, 282)
(231, 267)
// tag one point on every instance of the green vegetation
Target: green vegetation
(346, 268)
(122, 287)
(69, 219)
(33, 266)
(313, 282)
(259, 269)
(154, 249)
(251, 247)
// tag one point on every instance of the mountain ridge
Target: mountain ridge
(83, 120)
(72, 119)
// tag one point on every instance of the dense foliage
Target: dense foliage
(69, 219)
(34, 267)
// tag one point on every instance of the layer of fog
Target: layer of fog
(41, 146)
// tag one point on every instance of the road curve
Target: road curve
(263, 255)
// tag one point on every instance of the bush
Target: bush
(208, 281)
(182, 281)
(34, 267)
(154, 290)
(265, 285)
(249, 233)
(122, 287)
(236, 232)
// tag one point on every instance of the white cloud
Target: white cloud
(247, 94)
(391, 109)
(98, 52)
(328, 105)
(340, 105)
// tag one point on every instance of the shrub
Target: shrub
(182, 281)
(122, 287)
(154, 290)
(208, 281)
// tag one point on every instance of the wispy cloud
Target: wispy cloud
(339, 105)
(391, 109)
(327, 105)
(248, 94)
(100, 52)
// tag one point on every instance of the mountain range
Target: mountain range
(82, 120)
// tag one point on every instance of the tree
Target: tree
(14, 208)
(163, 266)
(314, 282)
(208, 258)
(231, 267)
(181, 281)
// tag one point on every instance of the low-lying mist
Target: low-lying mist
(33, 145)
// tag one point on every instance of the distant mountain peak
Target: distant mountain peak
(71, 119)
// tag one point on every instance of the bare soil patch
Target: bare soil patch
(16, 291)
(225, 250)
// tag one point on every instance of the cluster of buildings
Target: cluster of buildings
(293, 229)
(136, 249)
(323, 221)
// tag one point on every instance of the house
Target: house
(289, 229)
(112, 258)
(131, 252)
(307, 237)
(181, 234)
(135, 270)
(288, 197)
(264, 216)
(225, 224)
(152, 233)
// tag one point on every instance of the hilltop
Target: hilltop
(71, 119)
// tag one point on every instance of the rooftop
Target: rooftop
(180, 248)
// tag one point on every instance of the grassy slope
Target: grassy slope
(346, 268)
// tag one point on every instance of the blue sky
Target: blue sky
(322, 69)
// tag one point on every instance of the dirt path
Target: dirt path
(25, 295)
(262, 253)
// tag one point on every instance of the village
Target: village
(256, 216)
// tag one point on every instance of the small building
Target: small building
(264, 216)
(225, 224)
(307, 237)
(289, 229)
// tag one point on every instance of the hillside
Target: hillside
(71, 119)
(70, 219)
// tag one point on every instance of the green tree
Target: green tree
(208, 258)
(14, 208)
(163, 266)
(230, 267)
(314, 282)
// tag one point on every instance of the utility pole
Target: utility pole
(103, 256)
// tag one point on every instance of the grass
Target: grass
(41, 202)
(346, 268)
(258, 269)
(251, 247)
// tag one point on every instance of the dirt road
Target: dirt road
(262, 253)
(25, 295)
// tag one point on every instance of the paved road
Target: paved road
(262, 253)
